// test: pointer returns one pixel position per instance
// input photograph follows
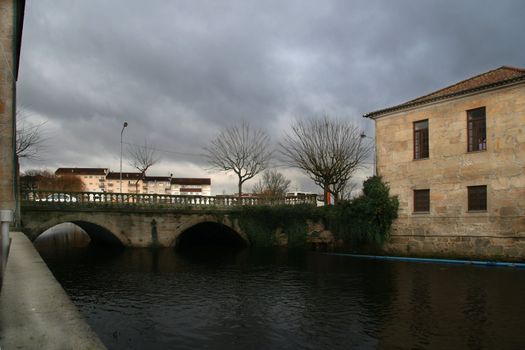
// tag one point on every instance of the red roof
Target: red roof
(191, 181)
(497, 77)
(81, 171)
(157, 178)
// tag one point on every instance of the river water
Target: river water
(271, 299)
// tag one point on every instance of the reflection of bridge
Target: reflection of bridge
(138, 220)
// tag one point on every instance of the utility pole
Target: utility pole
(121, 135)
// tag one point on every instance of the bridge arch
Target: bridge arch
(99, 234)
(209, 231)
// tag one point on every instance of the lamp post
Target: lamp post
(374, 169)
(121, 135)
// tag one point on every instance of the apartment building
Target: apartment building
(191, 186)
(103, 180)
(93, 179)
(157, 184)
(131, 183)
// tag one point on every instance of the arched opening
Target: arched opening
(76, 234)
(99, 235)
(209, 235)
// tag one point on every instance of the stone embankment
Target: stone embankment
(35, 312)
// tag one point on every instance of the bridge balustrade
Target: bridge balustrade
(81, 199)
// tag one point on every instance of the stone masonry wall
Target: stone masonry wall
(6, 104)
(449, 228)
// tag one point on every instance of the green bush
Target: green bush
(365, 220)
(261, 222)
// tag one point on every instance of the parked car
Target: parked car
(58, 197)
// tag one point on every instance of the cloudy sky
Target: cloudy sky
(179, 71)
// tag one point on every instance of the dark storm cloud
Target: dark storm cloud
(179, 70)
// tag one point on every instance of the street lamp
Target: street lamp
(121, 134)
(374, 169)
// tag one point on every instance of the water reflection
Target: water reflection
(270, 298)
(63, 236)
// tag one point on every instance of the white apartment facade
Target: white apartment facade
(93, 179)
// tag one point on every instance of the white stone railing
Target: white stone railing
(64, 198)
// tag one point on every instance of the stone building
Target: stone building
(456, 160)
(11, 23)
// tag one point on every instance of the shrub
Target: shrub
(260, 223)
(368, 218)
(365, 220)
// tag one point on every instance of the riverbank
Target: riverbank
(35, 311)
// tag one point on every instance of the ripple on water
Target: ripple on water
(141, 299)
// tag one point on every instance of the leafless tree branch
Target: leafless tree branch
(142, 158)
(29, 137)
(240, 149)
(328, 150)
(272, 184)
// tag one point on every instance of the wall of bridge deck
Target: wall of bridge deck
(142, 228)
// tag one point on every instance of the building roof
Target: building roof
(81, 171)
(191, 181)
(497, 77)
(115, 175)
(158, 178)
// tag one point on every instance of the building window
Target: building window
(421, 139)
(421, 200)
(477, 198)
(477, 132)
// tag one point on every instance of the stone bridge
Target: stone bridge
(135, 221)
(131, 228)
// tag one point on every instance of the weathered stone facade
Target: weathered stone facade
(449, 228)
(7, 103)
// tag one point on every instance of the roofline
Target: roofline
(375, 114)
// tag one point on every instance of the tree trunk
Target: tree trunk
(326, 195)
(240, 190)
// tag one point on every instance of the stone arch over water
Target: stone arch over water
(98, 234)
(210, 233)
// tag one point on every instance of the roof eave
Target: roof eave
(378, 113)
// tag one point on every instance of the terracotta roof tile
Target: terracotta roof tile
(497, 77)
(191, 181)
(81, 171)
(158, 178)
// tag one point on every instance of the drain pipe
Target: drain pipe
(6, 218)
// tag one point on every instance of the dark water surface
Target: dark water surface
(270, 299)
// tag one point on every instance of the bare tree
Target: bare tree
(142, 158)
(328, 150)
(272, 184)
(29, 137)
(349, 190)
(45, 180)
(240, 149)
